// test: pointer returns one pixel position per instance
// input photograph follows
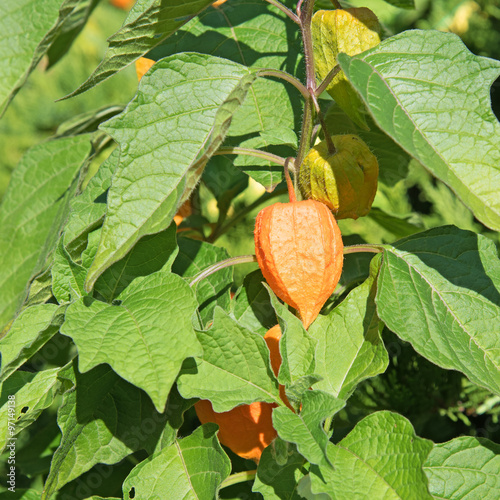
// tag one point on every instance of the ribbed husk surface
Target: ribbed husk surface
(300, 253)
(350, 31)
(345, 181)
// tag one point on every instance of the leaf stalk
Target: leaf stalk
(239, 477)
(242, 259)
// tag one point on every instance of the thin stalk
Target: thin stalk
(132, 460)
(299, 7)
(242, 259)
(239, 477)
(328, 138)
(327, 425)
(242, 213)
(336, 4)
(329, 143)
(289, 184)
(287, 77)
(328, 78)
(306, 134)
(363, 248)
(284, 9)
(279, 160)
(315, 133)
(306, 13)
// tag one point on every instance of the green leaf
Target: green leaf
(195, 256)
(151, 253)
(88, 254)
(306, 428)
(27, 32)
(234, 369)
(275, 481)
(296, 390)
(464, 468)
(178, 118)
(145, 338)
(40, 289)
(24, 396)
(431, 95)
(281, 135)
(251, 306)
(94, 497)
(87, 122)
(174, 411)
(404, 4)
(251, 32)
(32, 213)
(146, 26)
(434, 292)
(349, 348)
(67, 277)
(22, 494)
(35, 449)
(70, 28)
(88, 209)
(191, 468)
(102, 420)
(33, 328)
(296, 345)
(380, 458)
(224, 181)
(400, 226)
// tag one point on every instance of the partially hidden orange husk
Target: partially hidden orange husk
(247, 429)
(123, 4)
(142, 66)
(300, 253)
(185, 210)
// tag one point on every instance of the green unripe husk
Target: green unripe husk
(345, 181)
(351, 31)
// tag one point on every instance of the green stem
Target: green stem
(239, 477)
(328, 138)
(336, 4)
(305, 136)
(306, 13)
(324, 84)
(132, 460)
(305, 10)
(289, 184)
(327, 425)
(373, 248)
(284, 9)
(241, 214)
(242, 259)
(251, 152)
(315, 133)
(287, 77)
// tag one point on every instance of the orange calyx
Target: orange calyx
(142, 66)
(185, 210)
(300, 253)
(246, 429)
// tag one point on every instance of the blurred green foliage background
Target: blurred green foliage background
(34, 115)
